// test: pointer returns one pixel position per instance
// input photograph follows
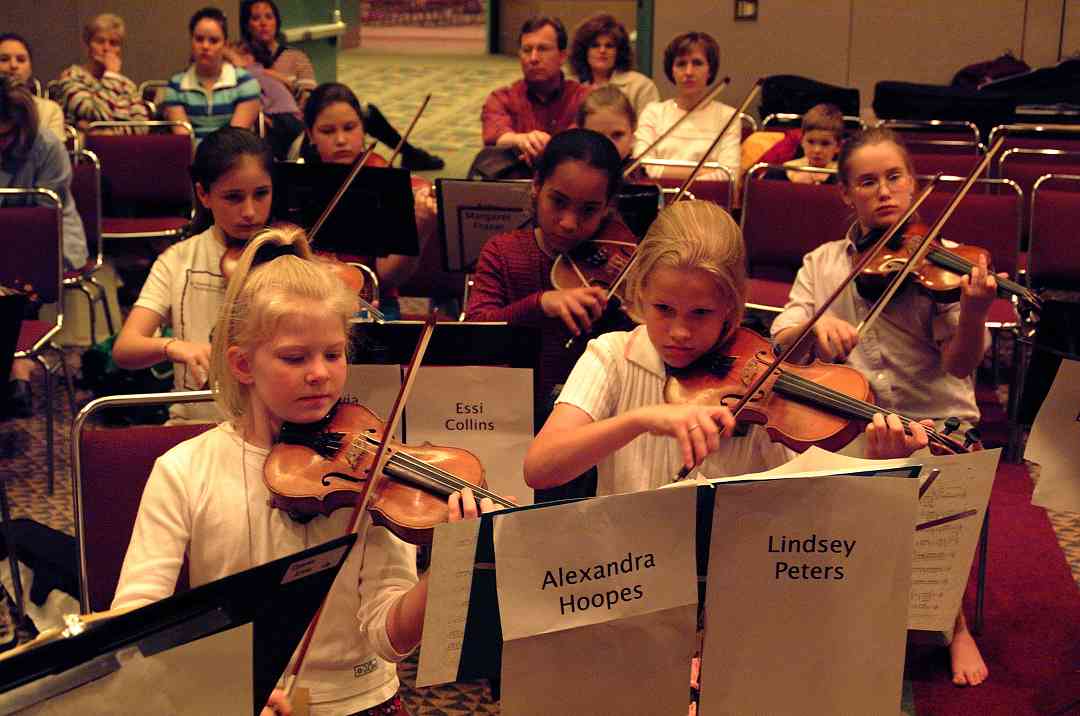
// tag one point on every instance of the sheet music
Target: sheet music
(449, 586)
(950, 518)
(1054, 442)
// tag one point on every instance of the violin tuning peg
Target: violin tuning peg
(971, 437)
(952, 425)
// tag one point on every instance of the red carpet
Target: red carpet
(1031, 634)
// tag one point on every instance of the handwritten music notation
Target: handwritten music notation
(951, 505)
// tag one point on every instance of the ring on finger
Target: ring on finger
(692, 428)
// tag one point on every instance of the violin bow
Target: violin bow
(863, 262)
(926, 244)
(727, 125)
(667, 132)
(382, 455)
(405, 137)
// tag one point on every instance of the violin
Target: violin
(599, 262)
(938, 274)
(821, 404)
(318, 468)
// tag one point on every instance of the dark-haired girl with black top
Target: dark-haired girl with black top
(185, 289)
(260, 24)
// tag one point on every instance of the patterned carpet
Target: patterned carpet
(450, 128)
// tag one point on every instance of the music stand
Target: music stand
(471, 212)
(279, 598)
(638, 204)
(374, 218)
(12, 306)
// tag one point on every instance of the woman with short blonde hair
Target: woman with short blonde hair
(96, 91)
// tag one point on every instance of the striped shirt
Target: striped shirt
(113, 98)
(211, 110)
(621, 371)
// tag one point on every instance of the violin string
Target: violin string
(449, 481)
(798, 385)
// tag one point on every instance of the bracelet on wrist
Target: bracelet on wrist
(165, 348)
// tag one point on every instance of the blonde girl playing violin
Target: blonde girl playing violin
(688, 288)
(185, 288)
(279, 355)
(920, 356)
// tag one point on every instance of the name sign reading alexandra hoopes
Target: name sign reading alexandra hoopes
(602, 591)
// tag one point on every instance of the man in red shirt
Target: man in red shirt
(525, 114)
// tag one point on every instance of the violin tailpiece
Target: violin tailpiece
(326, 444)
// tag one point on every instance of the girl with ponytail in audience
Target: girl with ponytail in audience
(231, 174)
(279, 355)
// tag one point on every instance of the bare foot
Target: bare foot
(968, 667)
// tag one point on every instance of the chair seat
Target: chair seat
(768, 293)
(31, 333)
(121, 227)
(1002, 313)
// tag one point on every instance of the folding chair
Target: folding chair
(935, 136)
(86, 191)
(1065, 137)
(151, 90)
(991, 219)
(144, 170)
(781, 222)
(1024, 166)
(31, 237)
(718, 191)
(749, 125)
(110, 467)
(1053, 263)
(72, 139)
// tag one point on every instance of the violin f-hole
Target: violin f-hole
(341, 476)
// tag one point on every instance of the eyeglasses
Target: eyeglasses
(894, 180)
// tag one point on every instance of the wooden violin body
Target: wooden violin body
(939, 274)
(318, 469)
(592, 263)
(819, 404)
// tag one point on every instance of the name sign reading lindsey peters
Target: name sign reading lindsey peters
(601, 591)
(830, 582)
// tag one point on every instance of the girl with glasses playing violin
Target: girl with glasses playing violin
(921, 355)
(279, 355)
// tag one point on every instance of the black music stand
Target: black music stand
(639, 205)
(374, 218)
(279, 598)
(471, 212)
(12, 307)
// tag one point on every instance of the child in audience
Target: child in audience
(231, 173)
(335, 132)
(691, 63)
(688, 287)
(919, 357)
(607, 110)
(821, 135)
(279, 356)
